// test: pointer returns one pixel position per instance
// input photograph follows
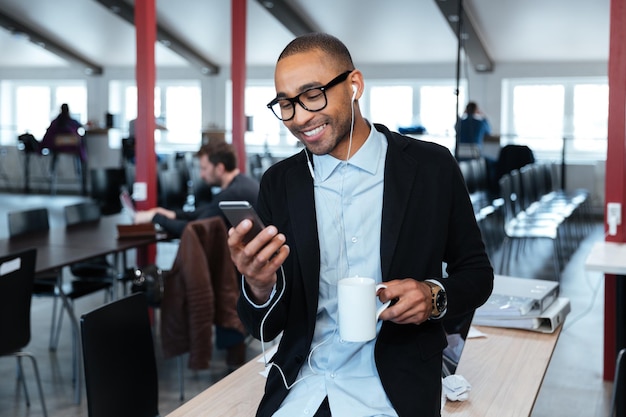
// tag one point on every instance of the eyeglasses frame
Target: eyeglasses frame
(296, 99)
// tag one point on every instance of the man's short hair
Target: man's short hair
(324, 42)
(471, 107)
(220, 152)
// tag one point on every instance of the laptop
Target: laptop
(127, 203)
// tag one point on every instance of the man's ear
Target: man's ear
(220, 168)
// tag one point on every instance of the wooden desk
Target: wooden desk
(505, 369)
(610, 258)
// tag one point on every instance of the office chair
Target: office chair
(27, 143)
(518, 228)
(30, 223)
(94, 269)
(17, 272)
(106, 184)
(70, 144)
(172, 188)
(120, 364)
(98, 268)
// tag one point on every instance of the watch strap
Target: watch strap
(435, 289)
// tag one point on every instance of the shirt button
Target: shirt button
(354, 240)
(332, 375)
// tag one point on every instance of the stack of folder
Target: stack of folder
(523, 303)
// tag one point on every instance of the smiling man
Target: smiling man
(359, 200)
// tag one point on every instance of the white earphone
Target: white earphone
(355, 90)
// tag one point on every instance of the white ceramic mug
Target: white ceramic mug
(356, 299)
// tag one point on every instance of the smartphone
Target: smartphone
(237, 211)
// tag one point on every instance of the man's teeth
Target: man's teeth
(314, 131)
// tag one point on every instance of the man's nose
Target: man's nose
(301, 115)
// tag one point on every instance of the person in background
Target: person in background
(65, 135)
(64, 124)
(473, 126)
(218, 168)
(358, 200)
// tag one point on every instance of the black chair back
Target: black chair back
(468, 175)
(106, 184)
(513, 157)
(17, 272)
(28, 143)
(172, 188)
(120, 366)
(28, 221)
(82, 212)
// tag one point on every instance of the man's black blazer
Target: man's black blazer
(427, 220)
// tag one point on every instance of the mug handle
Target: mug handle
(385, 305)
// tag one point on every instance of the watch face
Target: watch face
(440, 301)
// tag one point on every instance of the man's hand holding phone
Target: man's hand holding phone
(257, 259)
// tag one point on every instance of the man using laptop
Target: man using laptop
(218, 168)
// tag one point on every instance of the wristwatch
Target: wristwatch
(439, 300)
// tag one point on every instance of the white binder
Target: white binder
(546, 322)
(516, 297)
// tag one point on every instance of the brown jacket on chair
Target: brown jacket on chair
(201, 290)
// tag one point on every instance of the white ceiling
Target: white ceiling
(376, 31)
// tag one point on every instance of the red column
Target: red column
(145, 70)
(615, 164)
(238, 76)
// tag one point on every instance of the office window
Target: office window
(538, 115)
(392, 105)
(429, 103)
(34, 104)
(76, 98)
(177, 107)
(591, 114)
(266, 128)
(438, 106)
(553, 116)
(32, 110)
(129, 108)
(183, 108)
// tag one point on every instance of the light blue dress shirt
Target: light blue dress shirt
(348, 204)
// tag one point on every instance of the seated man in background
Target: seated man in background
(218, 168)
(472, 129)
(473, 126)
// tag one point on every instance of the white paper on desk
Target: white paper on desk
(263, 359)
(456, 388)
(474, 333)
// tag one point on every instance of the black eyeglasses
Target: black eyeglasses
(313, 99)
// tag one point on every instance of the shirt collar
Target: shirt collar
(366, 158)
